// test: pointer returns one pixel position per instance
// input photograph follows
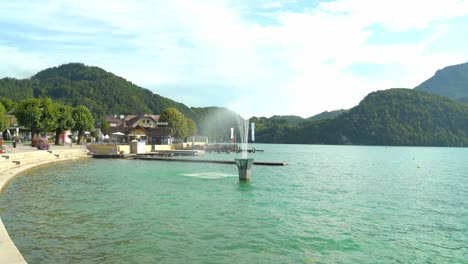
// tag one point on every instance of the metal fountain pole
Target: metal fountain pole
(244, 164)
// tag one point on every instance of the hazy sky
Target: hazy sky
(255, 57)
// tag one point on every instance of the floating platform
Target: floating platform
(228, 148)
(160, 153)
(170, 153)
(263, 163)
(111, 156)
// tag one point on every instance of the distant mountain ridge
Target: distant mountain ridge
(75, 72)
(389, 117)
(101, 91)
(327, 115)
(105, 93)
(394, 117)
(296, 120)
(288, 119)
(451, 81)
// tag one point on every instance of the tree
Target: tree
(64, 120)
(49, 115)
(28, 113)
(3, 119)
(83, 121)
(7, 103)
(37, 114)
(191, 127)
(176, 120)
(104, 126)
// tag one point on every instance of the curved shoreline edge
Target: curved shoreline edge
(9, 253)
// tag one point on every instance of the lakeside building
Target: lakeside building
(143, 120)
(125, 128)
(13, 129)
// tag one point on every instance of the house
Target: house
(12, 121)
(143, 120)
(113, 120)
(152, 135)
(13, 128)
(142, 127)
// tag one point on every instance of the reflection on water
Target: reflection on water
(331, 204)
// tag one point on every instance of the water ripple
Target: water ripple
(332, 204)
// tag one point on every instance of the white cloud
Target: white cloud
(18, 64)
(297, 65)
(398, 15)
(276, 4)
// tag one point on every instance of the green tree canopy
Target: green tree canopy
(191, 127)
(104, 126)
(37, 114)
(49, 115)
(7, 103)
(176, 120)
(28, 113)
(64, 120)
(83, 121)
(3, 119)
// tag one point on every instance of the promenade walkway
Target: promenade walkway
(17, 160)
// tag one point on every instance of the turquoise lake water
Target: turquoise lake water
(331, 204)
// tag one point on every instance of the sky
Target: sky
(258, 58)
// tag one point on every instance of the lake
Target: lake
(331, 204)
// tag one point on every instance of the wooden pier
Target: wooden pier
(228, 148)
(262, 163)
(170, 153)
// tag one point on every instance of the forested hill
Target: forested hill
(394, 117)
(101, 91)
(287, 119)
(451, 81)
(327, 115)
(389, 117)
(296, 120)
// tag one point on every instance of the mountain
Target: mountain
(101, 91)
(389, 117)
(288, 119)
(451, 81)
(15, 89)
(105, 93)
(407, 118)
(277, 128)
(394, 117)
(327, 115)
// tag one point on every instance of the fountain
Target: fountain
(244, 164)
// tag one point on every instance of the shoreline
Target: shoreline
(18, 161)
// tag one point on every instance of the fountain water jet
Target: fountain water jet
(244, 164)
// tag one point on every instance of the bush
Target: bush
(43, 144)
